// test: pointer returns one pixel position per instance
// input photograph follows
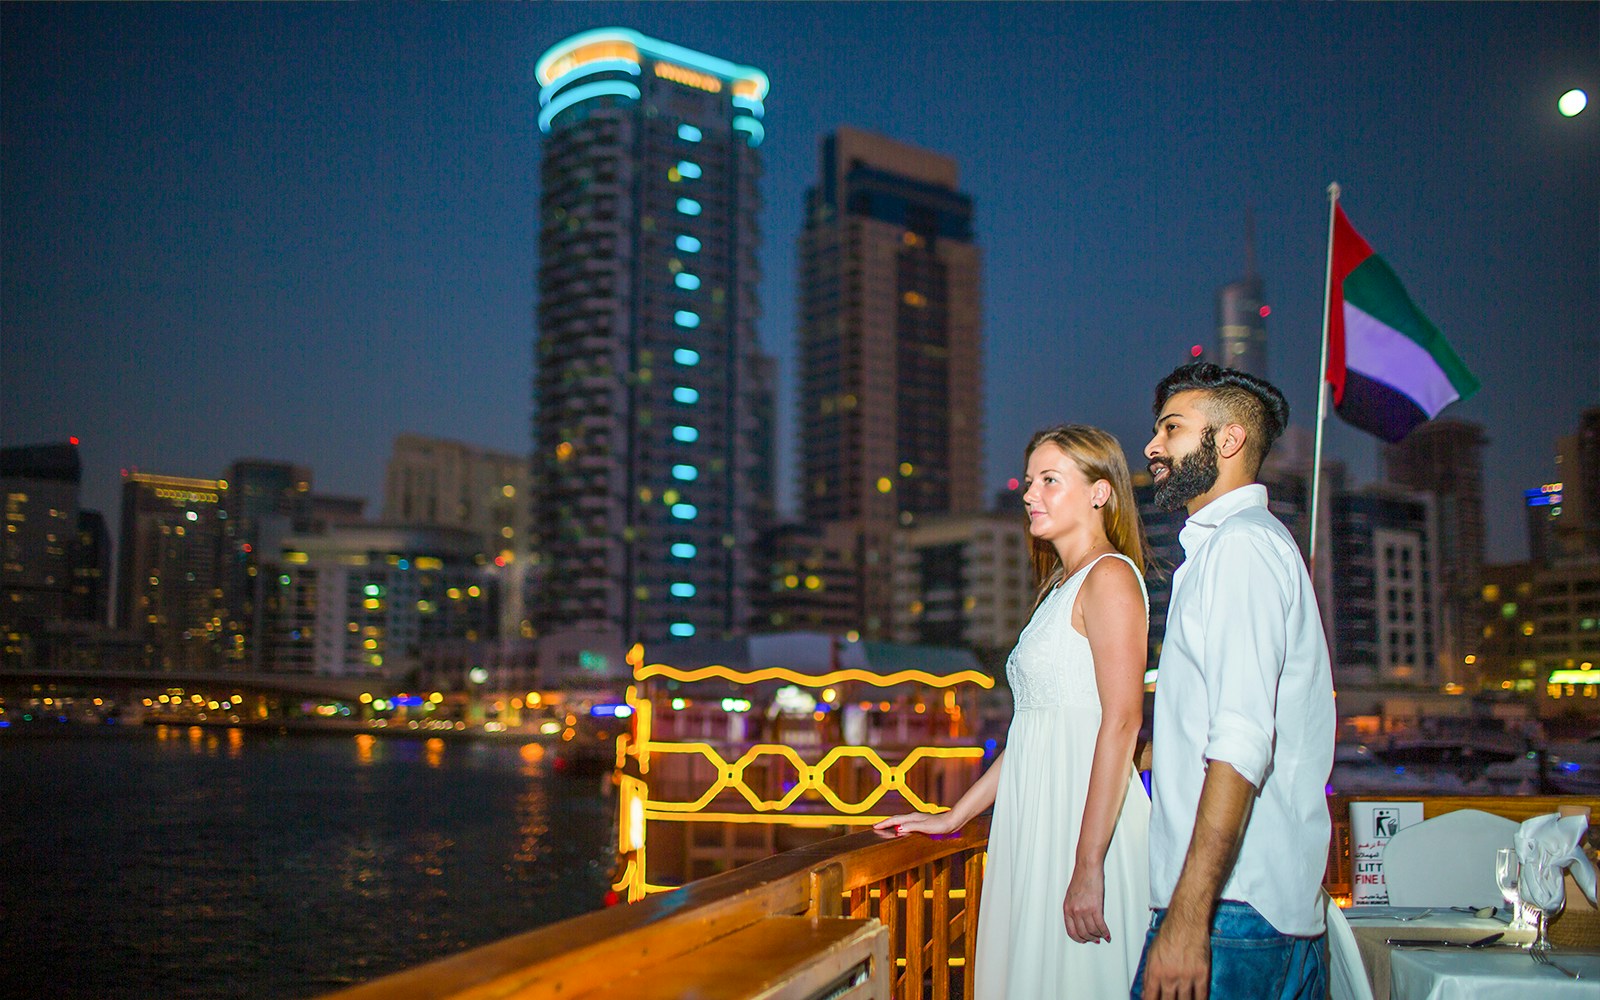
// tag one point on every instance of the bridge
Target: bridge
(96, 681)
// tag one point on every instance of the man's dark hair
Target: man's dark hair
(1234, 397)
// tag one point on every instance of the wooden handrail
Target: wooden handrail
(586, 954)
(926, 892)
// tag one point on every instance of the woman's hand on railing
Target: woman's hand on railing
(932, 824)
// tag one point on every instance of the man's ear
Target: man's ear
(1232, 440)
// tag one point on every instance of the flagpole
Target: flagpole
(1322, 388)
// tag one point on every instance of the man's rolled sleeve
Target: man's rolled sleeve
(1244, 653)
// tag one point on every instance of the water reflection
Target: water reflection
(151, 866)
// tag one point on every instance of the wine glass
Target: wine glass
(1507, 874)
(1544, 904)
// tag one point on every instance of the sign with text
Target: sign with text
(1371, 826)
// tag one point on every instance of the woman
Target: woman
(1065, 898)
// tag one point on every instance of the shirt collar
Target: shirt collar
(1207, 519)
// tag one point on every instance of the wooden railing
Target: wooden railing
(925, 892)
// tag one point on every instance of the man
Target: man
(1244, 717)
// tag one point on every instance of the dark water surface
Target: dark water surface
(172, 862)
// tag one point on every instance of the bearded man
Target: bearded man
(1244, 716)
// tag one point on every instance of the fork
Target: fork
(1544, 959)
(1415, 916)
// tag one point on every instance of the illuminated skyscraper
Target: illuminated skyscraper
(652, 449)
(169, 586)
(891, 361)
(264, 502)
(51, 558)
(1242, 315)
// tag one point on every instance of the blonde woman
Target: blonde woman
(1066, 894)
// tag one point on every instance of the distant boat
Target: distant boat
(1358, 770)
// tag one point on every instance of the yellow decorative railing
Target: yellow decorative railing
(674, 769)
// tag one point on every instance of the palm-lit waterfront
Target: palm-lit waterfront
(188, 862)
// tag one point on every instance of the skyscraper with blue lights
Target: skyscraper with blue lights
(652, 438)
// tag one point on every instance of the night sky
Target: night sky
(294, 232)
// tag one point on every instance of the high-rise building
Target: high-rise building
(1242, 316)
(810, 581)
(1576, 522)
(1445, 458)
(40, 486)
(169, 586)
(440, 483)
(891, 375)
(652, 439)
(1384, 568)
(368, 600)
(964, 580)
(265, 501)
(90, 600)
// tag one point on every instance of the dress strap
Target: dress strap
(1084, 574)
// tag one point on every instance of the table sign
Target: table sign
(1371, 826)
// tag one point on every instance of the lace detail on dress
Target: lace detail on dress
(1051, 663)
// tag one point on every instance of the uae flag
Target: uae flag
(1389, 367)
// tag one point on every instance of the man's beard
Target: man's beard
(1189, 476)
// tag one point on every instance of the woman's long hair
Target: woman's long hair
(1098, 455)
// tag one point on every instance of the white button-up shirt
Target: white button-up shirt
(1245, 679)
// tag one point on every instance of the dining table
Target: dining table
(1435, 964)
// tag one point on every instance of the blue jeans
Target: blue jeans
(1250, 959)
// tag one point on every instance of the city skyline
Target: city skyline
(297, 233)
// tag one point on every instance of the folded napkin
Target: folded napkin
(1548, 845)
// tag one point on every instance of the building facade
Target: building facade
(1384, 566)
(1445, 458)
(652, 437)
(1541, 631)
(1575, 522)
(265, 502)
(51, 559)
(964, 580)
(440, 483)
(367, 600)
(169, 583)
(891, 374)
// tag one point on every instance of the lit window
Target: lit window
(682, 590)
(684, 511)
(686, 281)
(685, 473)
(684, 394)
(686, 319)
(686, 357)
(683, 550)
(685, 433)
(688, 244)
(689, 133)
(688, 206)
(682, 630)
(689, 170)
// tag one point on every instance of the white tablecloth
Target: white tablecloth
(1489, 974)
(1496, 973)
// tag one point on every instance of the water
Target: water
(170, 863)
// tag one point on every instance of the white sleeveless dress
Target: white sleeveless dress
(1023, 950)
